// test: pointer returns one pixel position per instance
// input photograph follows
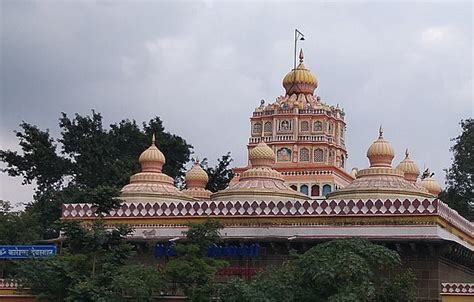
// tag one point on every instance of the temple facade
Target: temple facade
(306, 134)
(295, 193)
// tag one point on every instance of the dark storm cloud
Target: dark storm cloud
(406, 66)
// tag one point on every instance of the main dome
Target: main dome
(300, 80)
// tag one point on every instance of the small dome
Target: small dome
(262, 155)
(381, 152)
(430, 184)
(196, 176)
(152, 159)
(300, 80)
(409, 168)
(354, 172)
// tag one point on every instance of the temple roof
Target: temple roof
(380, 180)
(414, 219)
(151, 182)
(300, 80)
(300, 84)
(261, 180)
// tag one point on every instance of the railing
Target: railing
(8, 284)
(458, 289)
(297, 111)
(312, 138)
(298, 173)
(284, 138)
(454, 218)
(312, 111)
(289, 138)
(263, 113)
(256, 140)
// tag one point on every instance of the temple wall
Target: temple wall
(452, 272)
(431, 270)
(426, 270)
(424, 259)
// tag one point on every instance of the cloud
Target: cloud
(204, 66)
(437, 35)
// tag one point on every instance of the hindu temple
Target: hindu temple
(295, 192)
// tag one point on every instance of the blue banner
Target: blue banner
(26, 251)
(214, 250)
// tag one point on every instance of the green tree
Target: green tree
(92, 266)
(219, 175)
(459, 192)
(90, 162)
(192, 270)
(338, 270)
(40, 162)
(17, 227)
(138, 281)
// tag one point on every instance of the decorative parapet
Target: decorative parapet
(244, 208)
(463, 289)
(454, 218)
(264, 208)
(8, 284)
(390, 213)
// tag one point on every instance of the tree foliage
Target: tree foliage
(219, 175)
(338, 270)
(91, 267)
(17, 227)
(459, 192)
(87, 163)
(192, 271)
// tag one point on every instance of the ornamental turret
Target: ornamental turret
(196, 180)
(380, 179)
(260, 180)
(409, 168)
(429, 183)
(381, 152)
(151, 182)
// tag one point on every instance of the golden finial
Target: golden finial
(380, 132)
(406, 153)
(301, 55)
(153, 139)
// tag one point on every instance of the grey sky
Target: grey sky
(203, 67)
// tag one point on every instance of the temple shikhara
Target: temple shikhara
(296, 192)
(306, 134)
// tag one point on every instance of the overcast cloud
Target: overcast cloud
(203, 66)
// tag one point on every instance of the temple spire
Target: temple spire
(380, 132)
(407, 154)
(301, 55)
(153, 139)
